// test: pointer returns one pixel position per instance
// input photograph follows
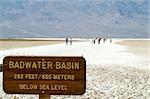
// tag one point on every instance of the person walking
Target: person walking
(66, 41)
(70, 41)
(104, 40)
(94, 41)
(99, 40)
(110, 40)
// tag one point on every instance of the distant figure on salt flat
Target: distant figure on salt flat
(67, 41)
(94, 41)
(70, 41)
(99, 40)
(104, 40)
(110, 40)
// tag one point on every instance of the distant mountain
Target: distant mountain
(76, 18)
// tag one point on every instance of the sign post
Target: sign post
(41, 96)
(44, 75)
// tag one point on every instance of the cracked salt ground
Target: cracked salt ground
(103, 82)
(111, 83)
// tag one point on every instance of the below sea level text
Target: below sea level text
(42, 87)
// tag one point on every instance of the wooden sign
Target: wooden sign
(44, 75)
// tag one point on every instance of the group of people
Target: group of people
(94, 40)
(100, 40)
(68, 41)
